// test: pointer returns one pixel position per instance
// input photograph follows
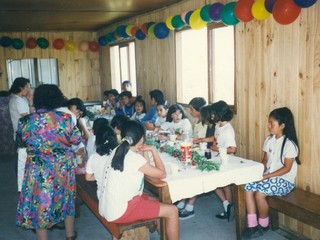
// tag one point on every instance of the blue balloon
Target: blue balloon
(121, 31)
(161, 30)
(140, 35)
(5, 41)
(305, 3)
(187, 18)
(102, 41)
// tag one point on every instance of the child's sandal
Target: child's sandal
(74, 237)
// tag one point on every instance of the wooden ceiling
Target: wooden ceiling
(70, 15)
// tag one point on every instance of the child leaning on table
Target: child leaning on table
(106, 141)
(280, 159)
(123, 199)
(98, 124)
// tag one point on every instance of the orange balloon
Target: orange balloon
(83, 46)
(285, 11)
(242, 10)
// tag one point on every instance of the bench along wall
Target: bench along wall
(276, 66)
(79, 73)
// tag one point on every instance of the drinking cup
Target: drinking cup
(203, 146)
(224, 156)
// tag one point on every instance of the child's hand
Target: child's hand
(145, 147)
(196, 140)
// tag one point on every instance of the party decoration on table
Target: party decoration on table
(161, 30)
(169, 22)
(305, 3)
(259, 11)
(5, 41)
(31, 43)
(242, 10)
(227, 14)
(58, 44)
(285, 11)
(268, 4)
(83, 46)
(93, 46)
(196, 21)
(69, 45)
(102, 41)
(177, 22)
(204, 13)
(140, 35)
(17, 43)
(215, 11)
(43, 43)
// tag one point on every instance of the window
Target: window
(205, 64)
(38, 71)
(123, 65)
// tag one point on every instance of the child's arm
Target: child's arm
(285, 169)
(90, 177)
(265, 161)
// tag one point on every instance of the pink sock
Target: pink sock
(264, 222)
(252, 220)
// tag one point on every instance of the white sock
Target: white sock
(181, 205)
(189, 208)
(225, 205)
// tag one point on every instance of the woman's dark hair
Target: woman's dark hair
(17, 84)
(157, 95)
(99, 123)
(140, 100)
(48, 96)
(164, 104)
(118, 121)
(78, 103)
(285, 116)
(197, 103)
(172, 109)
(106, 140)
(206, 112)
(133, 131)
(221, 111)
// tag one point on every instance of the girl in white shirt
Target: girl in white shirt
(280, 159)
(99, 123)
(122, 198)
(140, 109)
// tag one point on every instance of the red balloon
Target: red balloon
(134, 30)
(93, 46)
(58, 43)
(242, 10)
(285, 11)
(144, 28)
(31, 43)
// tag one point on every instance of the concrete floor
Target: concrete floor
(203, 226)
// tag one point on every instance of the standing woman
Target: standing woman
(48, 191)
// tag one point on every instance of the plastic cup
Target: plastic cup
(224, 156)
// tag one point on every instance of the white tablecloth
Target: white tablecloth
(189, 182)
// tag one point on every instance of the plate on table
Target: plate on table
(163, 132)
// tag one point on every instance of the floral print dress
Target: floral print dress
(48, 190)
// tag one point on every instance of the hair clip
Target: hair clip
(106, 141)
(127, 139)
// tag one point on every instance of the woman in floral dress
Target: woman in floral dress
(48, 191)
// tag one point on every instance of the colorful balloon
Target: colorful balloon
(17, 43)
(215, 11)
(305, 3)
(259, 11)
(83, 46)
(31, 43)
(144, 28)
(151, 31)
(110, 37)
(242, 10)
(195, 20)
(177, 22)
(161, 30)
(285, 11)
(43, 43)
(121, 31)
(128, 30)
(268, 4)
(187, 18)
(140, 35)
(134, 30)
(204, 13)
(58, 43)
(5, 41)
(102, 41)
(93, 46)
(168, 23)
(227, 14)
(69, 44)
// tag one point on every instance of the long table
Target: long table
(239, 171)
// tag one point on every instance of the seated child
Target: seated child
(97, 125)
(140, 109)
(127, 106)
(117, 123)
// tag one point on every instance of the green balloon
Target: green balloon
(42, 43)
(17, 43)
(177, 22)
(204, 13)
(227, 14)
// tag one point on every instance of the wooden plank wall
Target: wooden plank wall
(79, 72)
(276, 66)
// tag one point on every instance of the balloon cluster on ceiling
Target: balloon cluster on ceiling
(283, 11)
(43, 43)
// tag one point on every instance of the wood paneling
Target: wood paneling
(79, 72)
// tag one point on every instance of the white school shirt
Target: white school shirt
(200, 130)
(272, 147)
(137, 117)
(17, 106)
(184, 125)
(120, 187)
(96, 165)
(159, 121)
(91, 145)
(225, 136)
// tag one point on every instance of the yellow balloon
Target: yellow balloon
(151, 31)
(128, 29)
(196, 21)
(259, 11)
(168, 22)
(69, 45)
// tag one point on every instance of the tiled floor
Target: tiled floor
(203, 226)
